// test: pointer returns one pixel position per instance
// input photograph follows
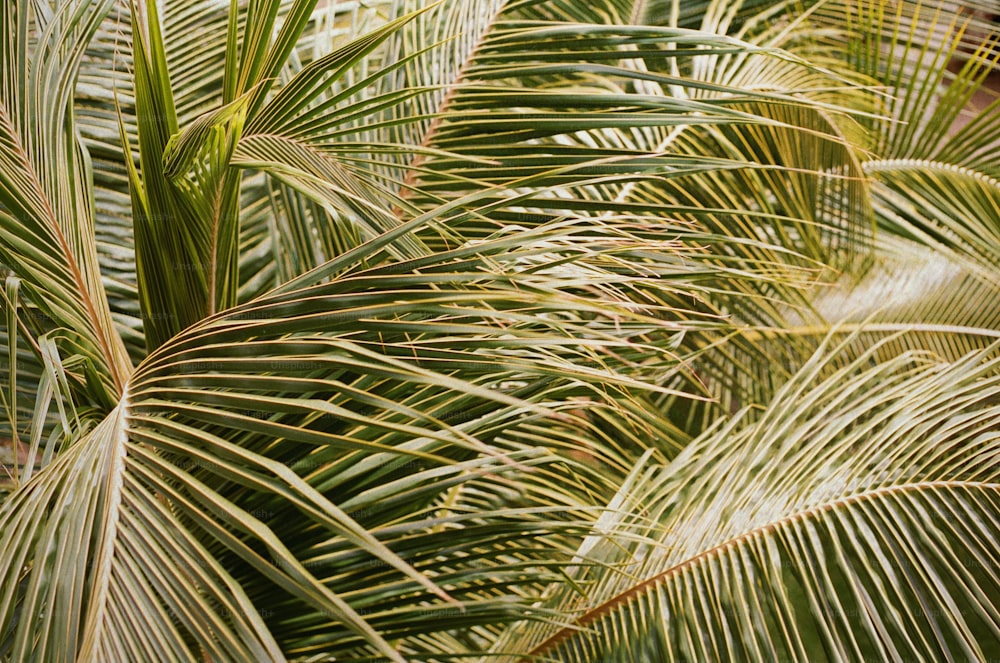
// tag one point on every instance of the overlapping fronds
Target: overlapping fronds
(525, 329)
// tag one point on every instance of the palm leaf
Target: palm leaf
(781, 537)
(46, 216)
(242, 426)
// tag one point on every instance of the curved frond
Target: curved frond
(241, 431)
(831, 527)
(46, 212)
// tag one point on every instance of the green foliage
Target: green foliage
(499, 330)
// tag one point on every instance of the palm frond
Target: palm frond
(781, 538)
(261, 409)
(47, 216)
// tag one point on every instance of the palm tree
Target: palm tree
(499, 329)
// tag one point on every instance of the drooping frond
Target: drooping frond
(46, 212)
(828, 528)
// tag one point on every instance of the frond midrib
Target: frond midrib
(413, 167)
